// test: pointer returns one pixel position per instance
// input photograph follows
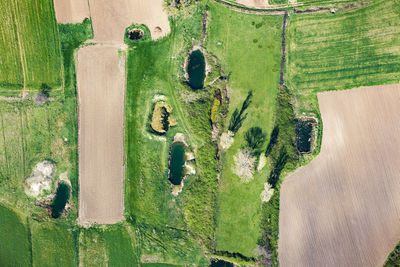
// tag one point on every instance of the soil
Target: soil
(111, 18)
(101, 92)
(254, 3)
(71, 11)
(343, 209)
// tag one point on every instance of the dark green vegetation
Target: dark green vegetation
(177, 160)
(350, 48)
(283, 156)
(30, 45)
(393, 259)
(14, 242)
(196, 69)
(52, 245)
(136, 33)
(252, 62)
(220, 263)
(304, 134)
(165, 118)
(60, 200)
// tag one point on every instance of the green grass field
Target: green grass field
(112, 246)
(121, 246)
(248, 47)
(30, 37)
(15, 249)
(30, 134)
(350, 48)
(154, 70)
(52, 245)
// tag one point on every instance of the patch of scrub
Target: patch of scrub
(304, 134)
(244, 165)
(226, 140)
(40, 179)
(220, 263)
(267, 193)
(162, 119)
(196, 69)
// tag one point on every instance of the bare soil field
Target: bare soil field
(71, 11)
(101, 97)
(254, 3)
(110, 18)
(343, 209)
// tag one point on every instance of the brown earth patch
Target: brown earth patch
(101, 92)
(343, 209)
(71, 11)
(111, 18)
(254, 3)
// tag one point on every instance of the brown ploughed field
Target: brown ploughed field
(101, 83)
(110, 18)
(71, 11)
(343, 209)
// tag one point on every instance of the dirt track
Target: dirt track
(101, 83)
(71, 11)
(343, 209)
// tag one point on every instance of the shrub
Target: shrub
(165, 118)
(214, 110)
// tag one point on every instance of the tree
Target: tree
(165, 118)
(255, 138)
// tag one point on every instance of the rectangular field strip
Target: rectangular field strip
(350, 48)
(29, 34)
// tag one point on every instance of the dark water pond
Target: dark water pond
(196, 69)
(60, 200)
(221, 263)
(177, 160)
(304, 132)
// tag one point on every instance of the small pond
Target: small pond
(196, 69)
(220, 263)
(176, 164)
(60, 200)
(135, 34)
(304, 134)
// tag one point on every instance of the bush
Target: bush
(214, 110)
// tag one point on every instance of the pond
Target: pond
(220, 263)
(60, 200)
(196, 69)
(176, 164)
(304, 134)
